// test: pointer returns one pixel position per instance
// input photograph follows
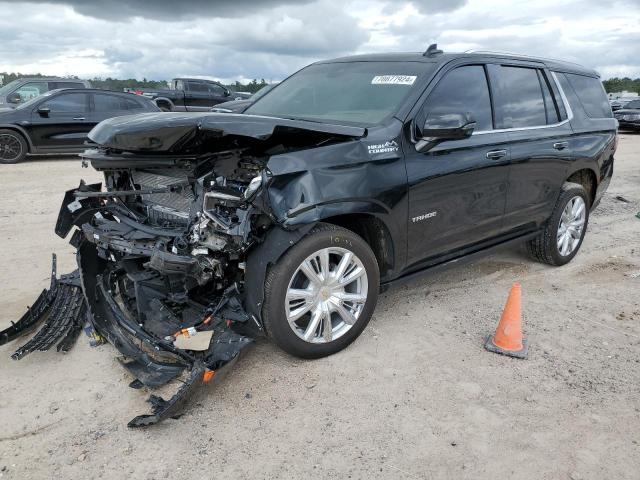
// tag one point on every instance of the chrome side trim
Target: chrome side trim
(567, 108)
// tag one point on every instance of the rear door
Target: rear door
(457, 189)
(535, 118)
(64, 126)
(106, 105)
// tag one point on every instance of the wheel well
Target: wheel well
(25, 138)
(586, 178)
(374, 232)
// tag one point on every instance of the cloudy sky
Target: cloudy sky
(244, 39)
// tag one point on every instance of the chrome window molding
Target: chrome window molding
(567, 108)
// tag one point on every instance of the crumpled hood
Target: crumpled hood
(626, 111)
(169, 132)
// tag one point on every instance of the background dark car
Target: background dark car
(59, 120)
(629, 116)
(239, 106)
(24, 89)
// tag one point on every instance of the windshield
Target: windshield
(8, 87)
(633, 104)
(362, 93)
(260, 93)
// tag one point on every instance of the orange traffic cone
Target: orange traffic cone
(508, 337)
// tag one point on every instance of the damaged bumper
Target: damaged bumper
(173, 250)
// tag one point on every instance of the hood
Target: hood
(170, 132)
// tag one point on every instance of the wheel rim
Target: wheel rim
(10, 147)
(571, 226)
(326, 295)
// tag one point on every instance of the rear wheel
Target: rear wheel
(322, 293)
(13, 147)
(565, 230)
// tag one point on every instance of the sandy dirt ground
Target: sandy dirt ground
(416, 396)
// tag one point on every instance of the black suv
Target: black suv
(58, 121)
(350, 175)
(629, 116)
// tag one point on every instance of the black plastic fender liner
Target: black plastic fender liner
(277, 241)
(36, 313)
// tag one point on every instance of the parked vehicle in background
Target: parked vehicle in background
(191, 95)
(24, 89)
(58, 121)
(629, 116)
(239, 106)
(619, 103)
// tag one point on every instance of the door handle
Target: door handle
(560, 145)
(78, 118)
(496, 154)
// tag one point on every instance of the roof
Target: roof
(52, 79)
(552, 64)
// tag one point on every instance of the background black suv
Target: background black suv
(59, 120)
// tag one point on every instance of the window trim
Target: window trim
(536, 127)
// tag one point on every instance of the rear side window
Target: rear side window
(524, 105)
(56, 85)
(132, 104)
(107, 103)
(463, 90)
(591, 95)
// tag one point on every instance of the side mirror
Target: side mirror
(14, 98)
(449, 126)
(227, 93)
(44, 111)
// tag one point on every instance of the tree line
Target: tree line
(611, 85)
(119, 85)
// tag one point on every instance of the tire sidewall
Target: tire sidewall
(278, 324)
(23, 147)
(554, 223)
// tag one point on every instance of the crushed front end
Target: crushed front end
(163, 245)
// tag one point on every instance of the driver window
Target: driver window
(463, 90)
(67, 102)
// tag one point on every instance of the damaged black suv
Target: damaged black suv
(350, 175)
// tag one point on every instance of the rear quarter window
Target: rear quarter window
(591, 95)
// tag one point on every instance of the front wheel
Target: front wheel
(13, 147)
(562, 236)
(322, 293)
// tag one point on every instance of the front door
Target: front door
(60, 122)
(457, 189)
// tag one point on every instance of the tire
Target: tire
(545, 248)
(13, 146)
(322, 300)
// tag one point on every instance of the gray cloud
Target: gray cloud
(273, 38)
(123, 10)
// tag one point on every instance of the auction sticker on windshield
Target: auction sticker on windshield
(393, 80)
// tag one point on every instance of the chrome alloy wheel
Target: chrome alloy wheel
(571, 225)
(10, 147)
(326, 295)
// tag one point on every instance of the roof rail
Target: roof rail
(514, 54)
